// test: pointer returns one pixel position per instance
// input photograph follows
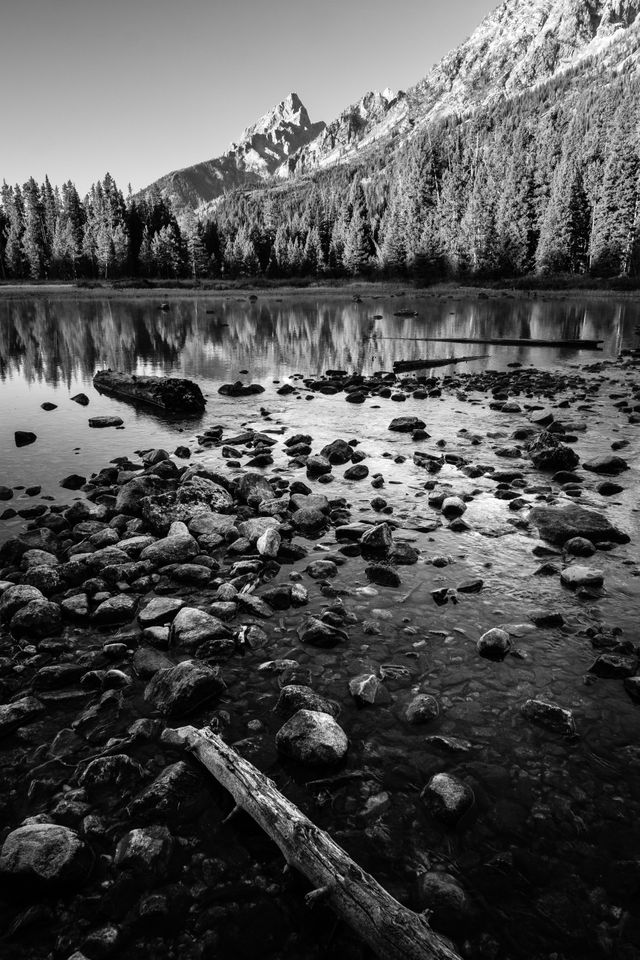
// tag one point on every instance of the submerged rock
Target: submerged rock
(169, 393)
(577, 576)
(447, 798)
(549, 715)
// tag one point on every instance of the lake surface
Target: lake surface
(50, 350)
(551, 855)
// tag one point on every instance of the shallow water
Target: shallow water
(553, 818)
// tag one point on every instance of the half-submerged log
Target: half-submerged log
(505, 341)
(404, 366)
(392, 931)
(171, 394)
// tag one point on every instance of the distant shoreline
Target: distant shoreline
(378, 289)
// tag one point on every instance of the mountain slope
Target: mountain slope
(519, 46)
(261, 150)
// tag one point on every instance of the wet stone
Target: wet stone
(115, 610)
(447, 799)
(180, 690)
(294, 697)
(368, 689)
(495, 644)
(576, 577)
(423, 708)
(159, 610)
(312, 737)
(549, 715)
(611, 665)
(18, 714)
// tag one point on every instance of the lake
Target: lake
(549, 858)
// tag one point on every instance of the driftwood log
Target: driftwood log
(405, 366)
(172, 394)
(392, 931)
(503, 341)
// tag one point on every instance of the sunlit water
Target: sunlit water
(552, 817)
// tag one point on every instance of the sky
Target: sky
(142, 87)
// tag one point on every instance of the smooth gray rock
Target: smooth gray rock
(559, 524)
(546, 714)
(184, 688)
(576, 576)
(447, 798)
(191, 627)
(45, 852)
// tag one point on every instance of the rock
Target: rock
(470, 586)
(18, 714)
(382, 575)
(580, 547)
(76, 607)
(423, 708)
(278, 597)
(239, 389)
(171, 549)
(378, 538)
(406, 424)
(114, 774)
(100, 422)
(309, 520)
(146, 662)
(23, 438)
(81, 398)
(6, 493)
(312, 737)
(495, 644)
(191, 627)
(268, 543)
(159, 610)
(546, 618)
(317, 466)
(559, 524)
(577, 576)
(453, 507)
(294, 697)
(73, 482)
(367, 688)
(180, 690)
(16, 597)
(320, 569)
(145, 851)
(548, 453)
(447, 798)
(254, 485)
(609, 464)
(611, 665)
(607, 488)
(253, 529)
(357, 472)
(337, 452)
(445, 900)
(550, 716)
(45, 853)
(120, 609)
(177, 794)
(317, 633)
(38, 619)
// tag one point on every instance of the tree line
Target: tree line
(548, 182)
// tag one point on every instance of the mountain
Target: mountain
(521, 45)
(261, 150)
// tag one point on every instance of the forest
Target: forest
(546, 183)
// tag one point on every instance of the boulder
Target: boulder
(294, 697)
(576, 576)
(337, 452)
(171, 549)
(559, 524)
(312, 737)
(422, 708)
(176, 691)
(38, 619)
(101, 422)
(120, 609)
(609, 465)
(378, 538)
(192, 626)
(145, 851)
(406, 424)
(18, 714)
(16, 597)
(46, 853)
(159, 610)
(317, 633)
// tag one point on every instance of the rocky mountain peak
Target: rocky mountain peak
(289, 113)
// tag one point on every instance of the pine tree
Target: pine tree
(616, 216)
(33, 246)
(357, 246)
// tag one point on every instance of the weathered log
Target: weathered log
(392, 931)
(171, 394)
(405, 366)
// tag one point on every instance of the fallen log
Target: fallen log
(404, 366)
(172, 394)
(504, 341)
(392, 931)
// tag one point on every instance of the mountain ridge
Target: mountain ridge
(521, 44)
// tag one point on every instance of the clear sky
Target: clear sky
(142, 87)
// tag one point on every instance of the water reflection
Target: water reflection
(60, 341)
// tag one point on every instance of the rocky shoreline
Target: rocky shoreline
(169, 582)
